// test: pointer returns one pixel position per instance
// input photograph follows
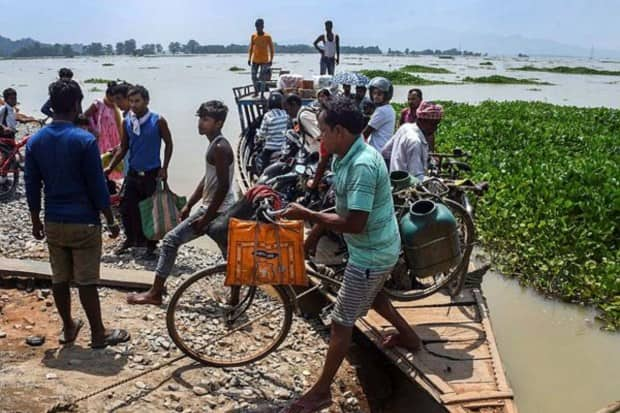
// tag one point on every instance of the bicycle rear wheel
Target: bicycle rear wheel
(203, 324)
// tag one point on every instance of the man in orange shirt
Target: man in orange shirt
(260, 56)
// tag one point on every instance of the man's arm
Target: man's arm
(376, 121)
(250, 50)
(120, 154)
(33, 180)
(367, 131)
(337, 49)
(353, 223)
(166, 136)
(386, 152)
(360, 197)
(193, 199)
(272, 50)
(316, 43)
(92, 173)
(46, 109)
(20, 117)
(223, 157)
(320, 171)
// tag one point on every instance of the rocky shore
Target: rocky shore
(53, 376)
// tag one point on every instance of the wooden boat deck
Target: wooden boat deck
(459, 364)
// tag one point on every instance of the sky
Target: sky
(397, 24)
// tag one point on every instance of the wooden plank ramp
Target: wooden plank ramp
(110, 277)
(459, 364)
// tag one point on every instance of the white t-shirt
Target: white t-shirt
(382, 121)
(11, 120)
(408, 151)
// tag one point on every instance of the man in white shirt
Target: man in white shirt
(380, 128)
(330, 52)
(408, 149)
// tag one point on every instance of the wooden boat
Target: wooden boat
(459, 365)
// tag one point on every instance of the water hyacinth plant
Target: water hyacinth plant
(552, 215)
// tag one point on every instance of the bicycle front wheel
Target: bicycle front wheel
(209, 324)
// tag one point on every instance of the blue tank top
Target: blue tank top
(144, 149)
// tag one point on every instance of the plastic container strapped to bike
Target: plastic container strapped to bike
(266, 253)
(430, 238)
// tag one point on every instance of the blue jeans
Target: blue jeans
(179, 235)
(328, 65)
(258, 78)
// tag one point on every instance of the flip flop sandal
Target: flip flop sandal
(35, 341)
(117, 336)
(63, 338)
(301, 406)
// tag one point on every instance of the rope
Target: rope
(60, 407)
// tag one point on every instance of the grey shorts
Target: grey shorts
(358, 292)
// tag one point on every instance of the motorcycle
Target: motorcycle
(291, 172)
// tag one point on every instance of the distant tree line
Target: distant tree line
(130, 48)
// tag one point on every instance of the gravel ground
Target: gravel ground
(35, 379)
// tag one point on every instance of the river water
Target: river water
(556, 357)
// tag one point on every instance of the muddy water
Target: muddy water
(557, 359)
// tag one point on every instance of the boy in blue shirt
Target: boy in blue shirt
(142, 135)
(63, 160)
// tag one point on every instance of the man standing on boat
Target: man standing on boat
(365, 216)
(260, 56)
(330, 52)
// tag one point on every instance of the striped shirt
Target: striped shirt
(273, 129)
(362, 184)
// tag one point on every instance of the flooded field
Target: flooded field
(557, 359)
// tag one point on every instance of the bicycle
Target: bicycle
(12, 162)
(448, 168)
(223, 326)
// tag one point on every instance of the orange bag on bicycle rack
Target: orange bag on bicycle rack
(262, 253)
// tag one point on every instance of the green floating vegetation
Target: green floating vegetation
(95, 89)
(486, 63)
(578, 70)
(107, 64)
(503, 80)
(423, 69)
(552, 215)
(236, 69)
(446, 57)
(98, 80)
(398, 77)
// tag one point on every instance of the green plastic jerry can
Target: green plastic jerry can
(430, 238)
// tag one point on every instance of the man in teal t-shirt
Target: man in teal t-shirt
(365, 215)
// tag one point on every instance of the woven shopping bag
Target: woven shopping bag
(262, 253)
(160, 213)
